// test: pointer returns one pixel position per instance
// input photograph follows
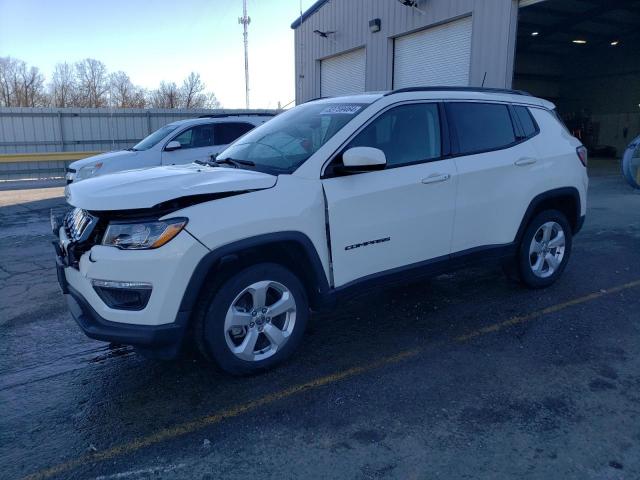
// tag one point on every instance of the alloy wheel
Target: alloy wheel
(260, 320)
(547, 249)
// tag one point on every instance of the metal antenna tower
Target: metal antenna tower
(245, 20)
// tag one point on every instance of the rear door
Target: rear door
(399, 216)
(498, 172)
(227, 132)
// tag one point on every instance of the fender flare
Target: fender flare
(546, 196)
(208, 262)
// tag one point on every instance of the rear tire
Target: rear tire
(543, 251)
(253, 320)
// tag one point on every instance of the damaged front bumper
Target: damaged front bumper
(158, 326)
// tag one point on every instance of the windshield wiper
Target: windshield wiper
(237, 163)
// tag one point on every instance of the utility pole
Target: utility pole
(245, 21)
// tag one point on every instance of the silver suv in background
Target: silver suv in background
(176, 143)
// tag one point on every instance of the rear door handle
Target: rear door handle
(436, 178)
(523, 162)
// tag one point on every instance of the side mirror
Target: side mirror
(363, 159)
(172, 145)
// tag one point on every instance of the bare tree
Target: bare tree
(7, 81)
(92, 81)
(122, 92)
(167, 95)
(139, 98)
(192, 91)
(31, 87)
(62, 89)
(211, 101)
(87, 83)
(20, 85)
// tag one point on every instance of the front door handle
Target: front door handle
(436, 178)
(523, 162)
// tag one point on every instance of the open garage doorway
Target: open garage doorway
(584, 55)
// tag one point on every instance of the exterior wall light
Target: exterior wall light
(375, 25)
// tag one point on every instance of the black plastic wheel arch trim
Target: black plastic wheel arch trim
(550, 195)
(209, 261)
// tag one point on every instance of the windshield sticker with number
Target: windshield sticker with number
(341, 109)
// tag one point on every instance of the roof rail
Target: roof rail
(459, 89)
(239, 114)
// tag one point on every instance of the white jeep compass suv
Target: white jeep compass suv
(333, 196)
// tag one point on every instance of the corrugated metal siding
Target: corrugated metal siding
(493, 38)
(343, 74)
(438, 55)
(32, 130)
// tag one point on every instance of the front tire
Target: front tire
(254, 320)
(544, 250)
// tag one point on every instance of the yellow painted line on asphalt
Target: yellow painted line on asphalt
(182, 429)
(44, 157)
(235, 411)
(517, 320)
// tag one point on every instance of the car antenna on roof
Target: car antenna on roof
(484, 78)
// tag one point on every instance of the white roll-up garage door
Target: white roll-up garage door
(436, 56)
(343, 74)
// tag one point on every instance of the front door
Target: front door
(399, 216)
(197, 143)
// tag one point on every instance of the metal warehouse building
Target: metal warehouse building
(584, 55)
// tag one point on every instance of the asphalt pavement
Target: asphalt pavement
(464, 376)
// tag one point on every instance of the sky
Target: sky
(154, 40)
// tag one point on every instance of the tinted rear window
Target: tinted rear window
(526, 121)
(481, 126)
(227, 132)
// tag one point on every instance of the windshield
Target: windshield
(288, 140)
(154, 138)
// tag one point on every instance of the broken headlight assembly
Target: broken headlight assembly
(142, 235)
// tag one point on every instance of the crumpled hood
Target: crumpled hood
(119, 154)
(145, 188)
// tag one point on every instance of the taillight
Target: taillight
(582, 154)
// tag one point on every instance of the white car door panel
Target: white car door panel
(390, 218)
(493, 195)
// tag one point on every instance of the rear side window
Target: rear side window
(527, 124)
(406, 134)
(227, 132)
(481, 127)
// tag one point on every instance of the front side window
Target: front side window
(284, 143)
(406, 134)
(227, 132)
(196, 137)
(481, 127)
(154, 138)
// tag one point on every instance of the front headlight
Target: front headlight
(142, 235)
(88, 171)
